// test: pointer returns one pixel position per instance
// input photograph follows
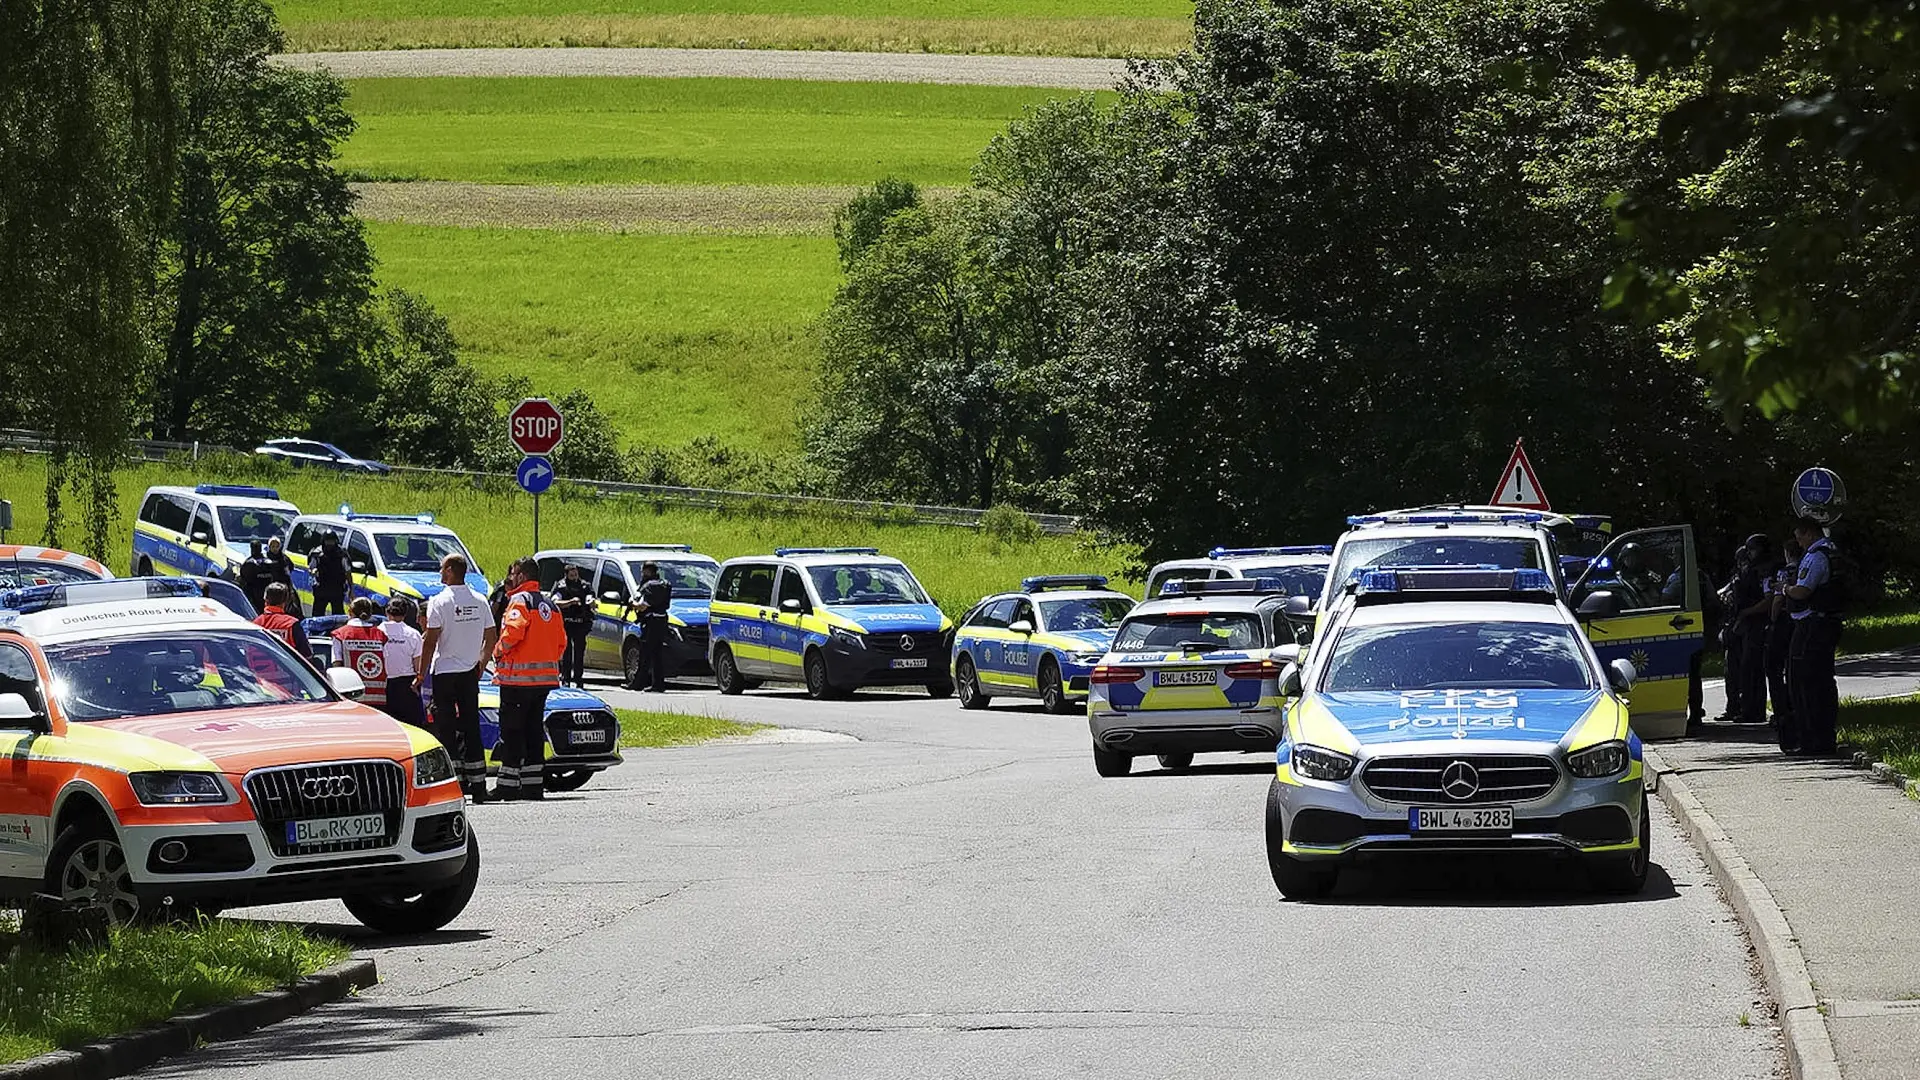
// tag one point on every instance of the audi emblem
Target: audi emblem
(1460, 780)
(584, 719)
(906, 642)
(329, 787)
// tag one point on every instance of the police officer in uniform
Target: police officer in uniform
(526, 667)
(331, 575)
(574, 597)
(1780, 632)
(256, 573)
(1812, 599)
(1747, 633)
(656, 598)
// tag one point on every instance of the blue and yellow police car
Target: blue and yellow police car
(1453, 709)
(1041, 641)
(391, 554)
(833, 619)
(206, 530)
(612, 569)
(1298, 570)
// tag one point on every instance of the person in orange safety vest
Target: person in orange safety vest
(361, 646)
(526, 666)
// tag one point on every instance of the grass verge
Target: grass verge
(1887, 729)
(637, 130)
(51, 1000)
(958, 566)
(1882, 630)
(642, 728)
(676, 336)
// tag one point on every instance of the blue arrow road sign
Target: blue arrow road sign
(1815, 487)
(535, 474)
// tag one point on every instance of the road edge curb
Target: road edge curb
(181, 1034)
(1803, 1027)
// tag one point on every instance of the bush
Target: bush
(1005, 524)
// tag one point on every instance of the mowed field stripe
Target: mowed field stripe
(1055, 72)
(787, 209)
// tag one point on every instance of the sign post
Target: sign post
(1519, 485)
(1819, 494)
(535, 428)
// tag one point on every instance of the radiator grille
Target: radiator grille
(341, 789)
(1497, 778)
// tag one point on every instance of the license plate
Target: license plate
(1461, 819)
(916, 662)
(581, 738)
(1186, 677)
(335, 829)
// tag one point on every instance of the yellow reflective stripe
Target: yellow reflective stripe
(1313, 723)
(1604, 722)
(419, 740)
(121, 751)
(1284, 774)
(1635, 771)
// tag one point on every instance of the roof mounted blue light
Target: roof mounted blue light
(1043, 582)
(47, 597)
(1411, 582)
(1453, 517)
(1223, 586)
(784, 552)
(350, 514)
(238, 491)
(621, 545)
(1234, 553)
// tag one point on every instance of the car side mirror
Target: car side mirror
(203, 537)
(614, 596)
(1621, 675)
(1287, 654)
(790, 605)
(361, 566)
(1020, 626)
(1599, 604)
(346, 682)
(1299, 607)
(1290, 680)
(17, 712)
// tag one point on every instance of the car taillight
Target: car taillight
(1265, 669)
(1105, 674)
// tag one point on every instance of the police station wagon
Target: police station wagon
(205, 531)
(1039, 642)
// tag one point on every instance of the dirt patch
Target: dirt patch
(652, 208)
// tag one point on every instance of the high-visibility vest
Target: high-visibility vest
(532, 639)
(281, 625)
(365, 652)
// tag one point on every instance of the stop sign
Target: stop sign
(535, 426)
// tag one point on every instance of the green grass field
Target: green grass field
(1888, 729)
(1054, 27)
(677, 336)
(645, 729)
(673, 131)
(958, 566)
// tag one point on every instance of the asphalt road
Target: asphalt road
(958, 894)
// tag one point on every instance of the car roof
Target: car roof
(1430, 612)
(380, 525)
(78, 622)
(222, 500)
(651, 554)
(1397, 530)
(1248, 602)
(32, 553)
(823, 559)
(1055, 594)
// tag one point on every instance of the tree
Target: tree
(432, 408)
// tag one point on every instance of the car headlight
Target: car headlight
(433, 767)
(177, 788)
(1087, 657)
(849, 639)
(1603, 760)
(1319, 763)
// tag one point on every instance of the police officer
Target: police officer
(1780, 632)
(526, 667)
(574, 597)
(331, 574)
(656, 598)
(280, 569)
(1748, 633)
(256, 573)
(360, 646)
(1813, 600)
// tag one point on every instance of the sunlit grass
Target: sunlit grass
(1888, 730)
(641, 728)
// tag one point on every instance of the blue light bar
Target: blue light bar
(1229, 586)
(1042, 582)
(621, 545)
(74, 594)
(1458, 517)
(418, 519)
(1408, 580)
(239, 491)
(784, 552)
(1309, 549)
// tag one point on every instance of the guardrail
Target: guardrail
(706, 498)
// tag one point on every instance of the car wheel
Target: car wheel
(1111, 762)
(966, 680)
(566, 779)
(420, 913)
(1176, 762)
(726, 674)
(630, 666)
(939, 690)
(1625, 875)
(819, 687)
(1053, 692)
(1297, 879)
(88, 868)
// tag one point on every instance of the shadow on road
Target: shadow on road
(1252, 767)
(365, 940)
(358, 1027)
(1440, 881)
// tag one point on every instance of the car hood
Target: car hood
(237, 740)
(1375, 717)
(919, 618)
(1085, 640)
(427, 582)
(690, 612)
(560, 698)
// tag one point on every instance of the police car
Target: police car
(611, 568)
(1449, 710)
(1041, 641)
(1509, 539)
(25, 565)
(833, 619)
(583, 734)
(1193, 670)
(1297, 571)
(168, 752)
(391, 554)
(206, 530)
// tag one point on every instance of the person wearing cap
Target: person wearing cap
(1747, 633)
(1812, 602)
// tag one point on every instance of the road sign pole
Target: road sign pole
(536, 521)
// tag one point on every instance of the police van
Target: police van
(391, 554)
(833, 619)
(611, 568)
(1298, 570)
(206, 530)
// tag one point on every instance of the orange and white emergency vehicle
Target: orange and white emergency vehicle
(158, 751)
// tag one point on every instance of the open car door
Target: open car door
(1654, 620)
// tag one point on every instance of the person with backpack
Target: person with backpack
(1817, 602)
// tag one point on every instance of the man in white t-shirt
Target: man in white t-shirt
(460, 636)
(402, 655)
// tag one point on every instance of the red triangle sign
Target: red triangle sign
(1519, 484)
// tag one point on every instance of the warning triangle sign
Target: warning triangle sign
(1519, 484)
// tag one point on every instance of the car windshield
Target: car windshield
(244, 524)
(23, 573)
(1504, 552)
(866, 584)
(417, 551)
(181, 671)
(1295, 579)
(1190, 632)
(1084, 613)
(1463, 656)
(690, 580)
